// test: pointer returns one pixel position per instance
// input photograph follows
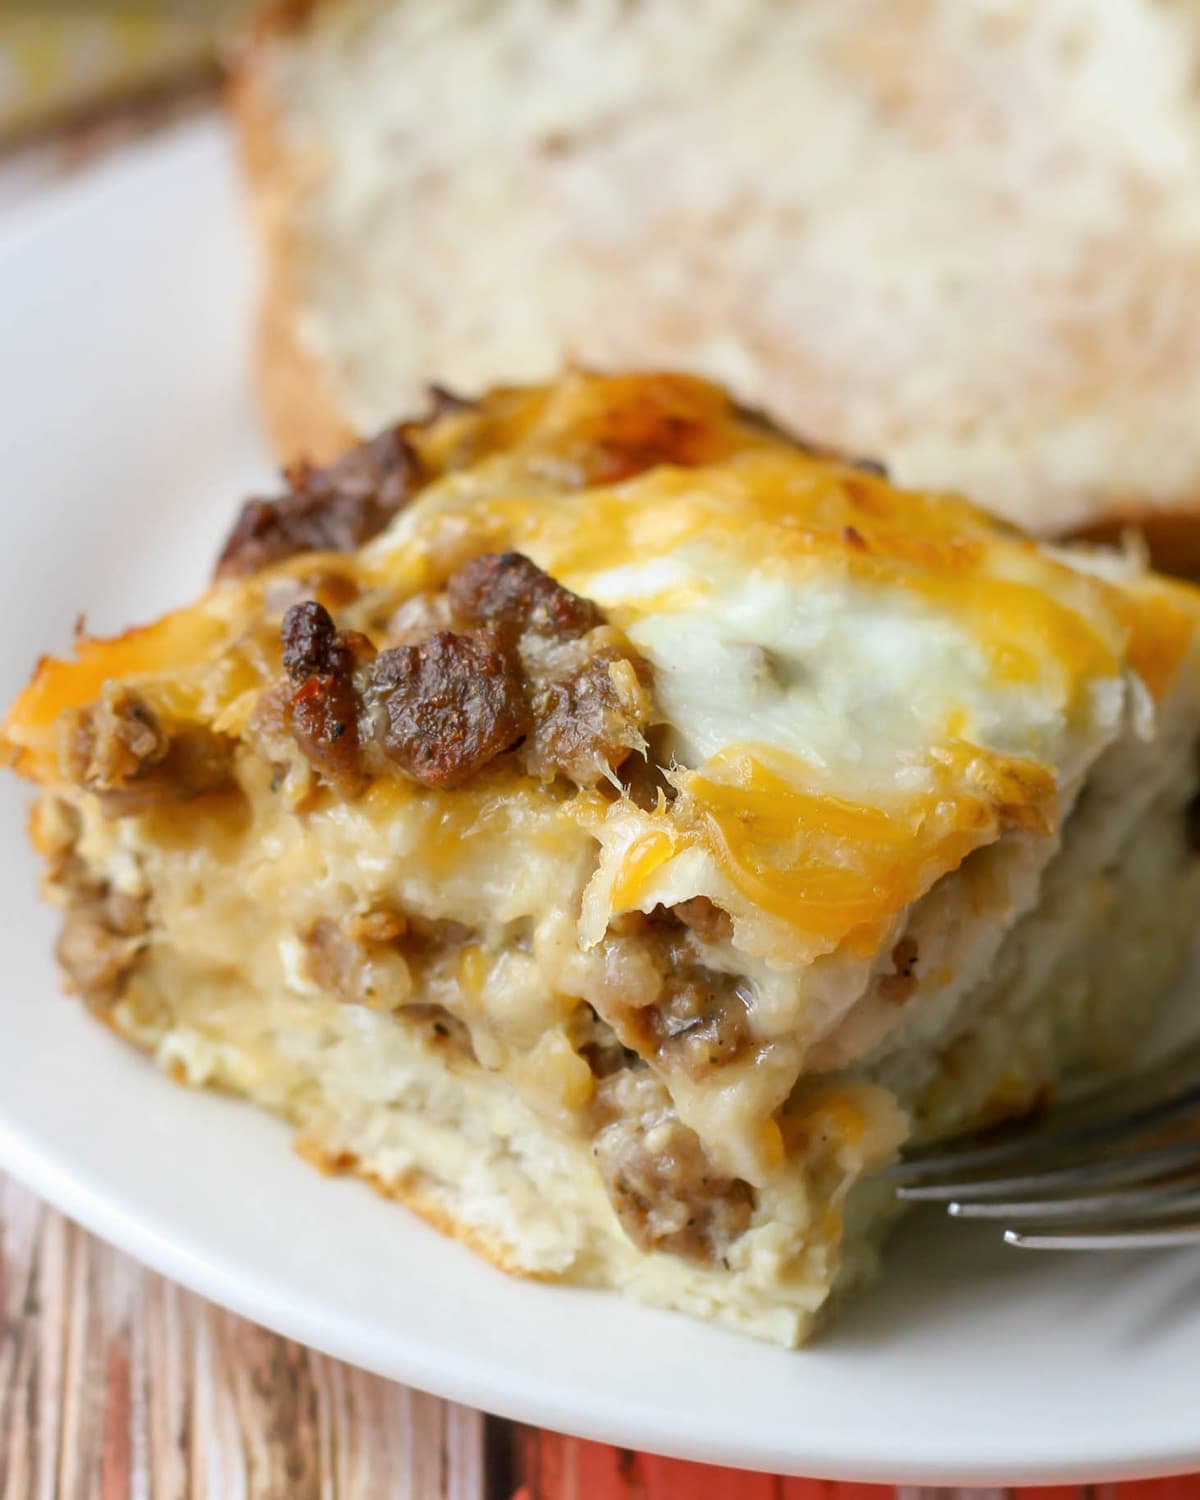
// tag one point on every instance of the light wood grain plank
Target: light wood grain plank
(117, 1385)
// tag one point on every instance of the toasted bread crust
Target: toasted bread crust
(417, 1193)
(303, 416)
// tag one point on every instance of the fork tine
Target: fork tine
(1176, 1196)
(1132, 1167)
(1059, 1134)
(1119, 1169)
(1175, 1079)
(1133, 1236)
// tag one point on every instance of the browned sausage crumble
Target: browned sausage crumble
(504, 658)
(344, 504)
(664, 1188)
(705, 918)
(117, 748)
(371, 960)
(582, 678)
(358, 969)
(698, 1019)
(111, 744)
(698, 1023)
(334, 509)
(508, 592)
(103, 931)
(323, 709)
(450, 705)
(102, 936)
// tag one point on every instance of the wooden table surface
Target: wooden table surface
(118, 1385)
(114, 1383)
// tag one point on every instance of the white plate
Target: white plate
(128, 434)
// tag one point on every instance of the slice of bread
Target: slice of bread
(963, 238)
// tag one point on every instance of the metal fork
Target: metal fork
(1116, 1170)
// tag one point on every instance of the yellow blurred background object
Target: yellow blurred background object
(64, 57)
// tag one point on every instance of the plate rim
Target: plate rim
(211, 1270)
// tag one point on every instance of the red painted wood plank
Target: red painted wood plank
(1185, 1487)
(547, 1466)
(828, 1489)
(649, 1478)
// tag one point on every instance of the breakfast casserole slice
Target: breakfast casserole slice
(613, 829)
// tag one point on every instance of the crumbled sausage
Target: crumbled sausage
(693, 1018)
(450, 704)
(512, 594)
(314, 647)
(94, 956)
(333, 509)
(357, 969)
(665, 1190)
(104, 929)
(309, 639)
(102, 936)
(700, 1023)
(707, 920)
(367, 960)
(324, 724)
(117, 748)
(323, 708)
(108, 744)
(588, 718)
(503, 657)
(586, 687)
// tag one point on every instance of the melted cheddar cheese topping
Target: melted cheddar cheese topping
(855, 687)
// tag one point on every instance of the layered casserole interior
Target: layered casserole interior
(614, 828)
